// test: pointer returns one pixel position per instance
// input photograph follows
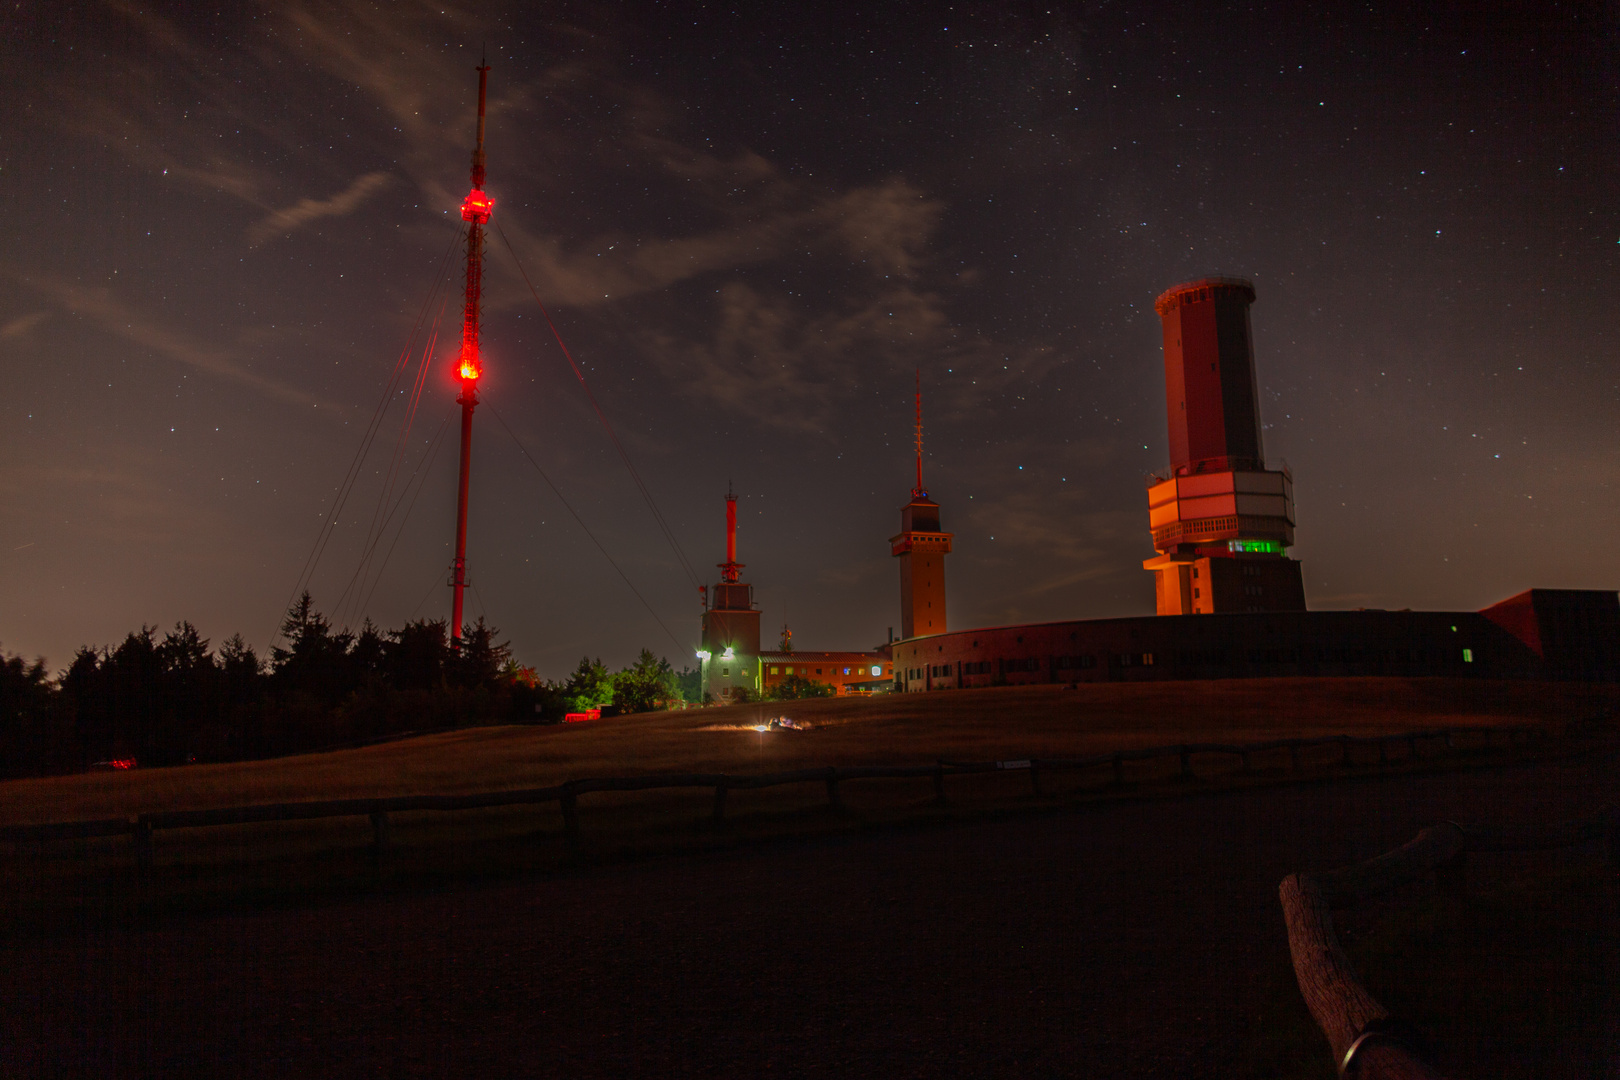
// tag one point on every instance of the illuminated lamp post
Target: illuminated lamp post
(475, 212)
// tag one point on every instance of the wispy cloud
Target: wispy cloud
(114, 316)
(19, 326)
(307, 210)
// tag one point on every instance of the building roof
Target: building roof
(798, 657)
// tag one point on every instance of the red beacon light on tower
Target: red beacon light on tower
(477, 207)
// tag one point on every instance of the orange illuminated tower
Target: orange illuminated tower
(729, 657)
(1221, 520)
(475, 212)
(921, 548)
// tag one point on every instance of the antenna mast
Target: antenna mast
(919, 491)
(475, 212)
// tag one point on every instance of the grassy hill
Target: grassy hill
(1044, 721)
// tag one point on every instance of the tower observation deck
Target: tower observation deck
(1221, 520)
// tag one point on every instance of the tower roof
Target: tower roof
(1179, 294)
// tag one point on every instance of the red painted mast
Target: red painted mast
(919, 492)
(731, 569)
(475, 212)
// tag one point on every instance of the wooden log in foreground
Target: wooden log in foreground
(1327, 981)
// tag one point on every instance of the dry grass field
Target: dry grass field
(973, 725)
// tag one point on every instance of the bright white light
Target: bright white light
(876, 670)
(762, 727)
(727, 655)
(703, 654)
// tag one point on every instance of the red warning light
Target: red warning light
(470, 369)
(477, 207)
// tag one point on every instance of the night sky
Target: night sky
(752, 224)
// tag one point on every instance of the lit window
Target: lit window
(775, 670)
(790, 669)
(1468, 656)
(876, 670)
(725, 671)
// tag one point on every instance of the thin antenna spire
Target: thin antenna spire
(919, 491)
(478, 146)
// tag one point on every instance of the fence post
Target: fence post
(379, 831)
(720, 790)
(939, 783)
(1119, 768)
(140, 834)
(570, 813)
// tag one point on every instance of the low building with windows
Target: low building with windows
(845, 672)
(1552, 634)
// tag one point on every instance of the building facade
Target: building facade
(846, 672)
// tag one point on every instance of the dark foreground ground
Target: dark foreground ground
(1136, 939)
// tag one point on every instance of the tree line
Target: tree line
(169, 699)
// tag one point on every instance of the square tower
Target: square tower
(728, 661)
(921, 548)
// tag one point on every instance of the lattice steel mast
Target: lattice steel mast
(475, 212)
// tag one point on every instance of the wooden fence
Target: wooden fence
(140, 828)
(1366, 1041)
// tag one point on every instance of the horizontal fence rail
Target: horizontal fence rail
(141, 827)
(1366, 1040)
